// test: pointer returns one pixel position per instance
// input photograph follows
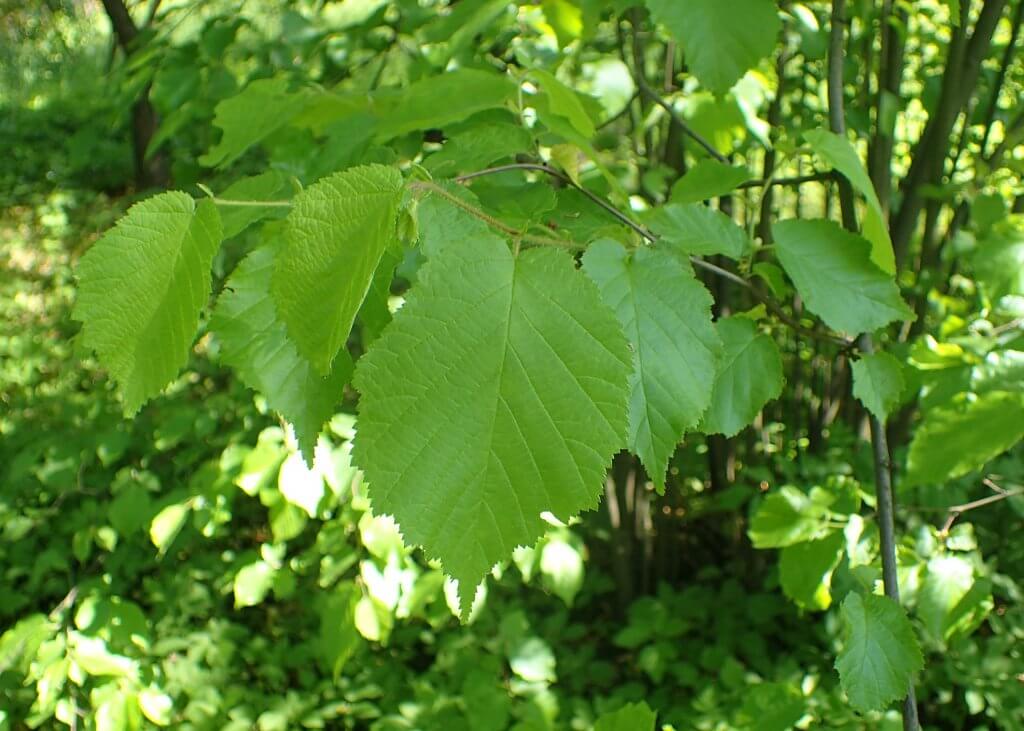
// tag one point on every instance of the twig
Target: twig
(648, 91)
(956, 511)
(815, 177)
(879, 441)
(425, 185)
(651, 237)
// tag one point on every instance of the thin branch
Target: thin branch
(651, 94)
(879, 442)
(956, 511)
(518, 236)
(547, 170)
(650, 237)
(260, 204)
(823, 176)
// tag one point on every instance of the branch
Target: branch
(650, 237)
(879, 442)
(956, 511)
(646, 90)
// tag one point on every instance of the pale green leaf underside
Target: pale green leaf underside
(721, 40)
(840, 153)
(878, 383)
(749, 376)
(141, 289)
(499, 391)
(950, 442)
(833, 271)
(666, 314)
(880, 652)
(696, 229)
(255, 343)
(708, 179)
(335, 236)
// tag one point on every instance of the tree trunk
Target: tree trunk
(154, 171)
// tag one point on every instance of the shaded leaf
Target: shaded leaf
(880, 652)
(666, 314)
(749, 376)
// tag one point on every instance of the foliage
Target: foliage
(515, 339)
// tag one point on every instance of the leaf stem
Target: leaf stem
(426, 185)
(261, 204)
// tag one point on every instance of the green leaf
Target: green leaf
(951, 441)
(338, 635)
(840, 153)
(772, 707)
(833, 271)
(708, 179)
(631, 717)
(167, 524)
(697, 229)
(721, 40)
(666, 314)
(880, 652)
(478, 147)
(999, 259)
(561, 565)
(954, 10)
(805, 570)
(262, 108)
(252, 582)
(335, 237)
(749, 376)
(787, 516)
(437, 101)
(878, 383)
(947, 580)
(255, 343)
(141, 288)
(565, 103)
(498, 392)
(267, 186)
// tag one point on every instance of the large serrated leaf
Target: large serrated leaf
(833, 271)
(952, 441)
(750, 375)
(141, 289)
(666, 314)
(880, 652)
(335, 237)
(498, 392)
(255, 343)
(721, 40)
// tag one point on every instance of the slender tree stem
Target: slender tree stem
(879, 442)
